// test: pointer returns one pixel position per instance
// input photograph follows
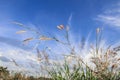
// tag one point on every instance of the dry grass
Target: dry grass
(73, 67)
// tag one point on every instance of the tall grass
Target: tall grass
(105, 61)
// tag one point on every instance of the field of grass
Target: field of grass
(104, 62)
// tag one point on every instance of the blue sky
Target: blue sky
(83, 16)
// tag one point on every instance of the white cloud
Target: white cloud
(111, 16)
(110, 20)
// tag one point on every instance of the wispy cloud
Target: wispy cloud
(111, 16)
(12, 42)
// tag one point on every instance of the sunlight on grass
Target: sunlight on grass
(103, 63)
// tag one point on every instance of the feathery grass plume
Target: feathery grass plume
(17, 23)
(21, 31)
(104, 61)
(28, 28)
(60, 27)
(45, 38)
(28, 39)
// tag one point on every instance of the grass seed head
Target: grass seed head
(98, 30)
(60, 27)
(44, 38)
(21, 31)
(28, 39)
